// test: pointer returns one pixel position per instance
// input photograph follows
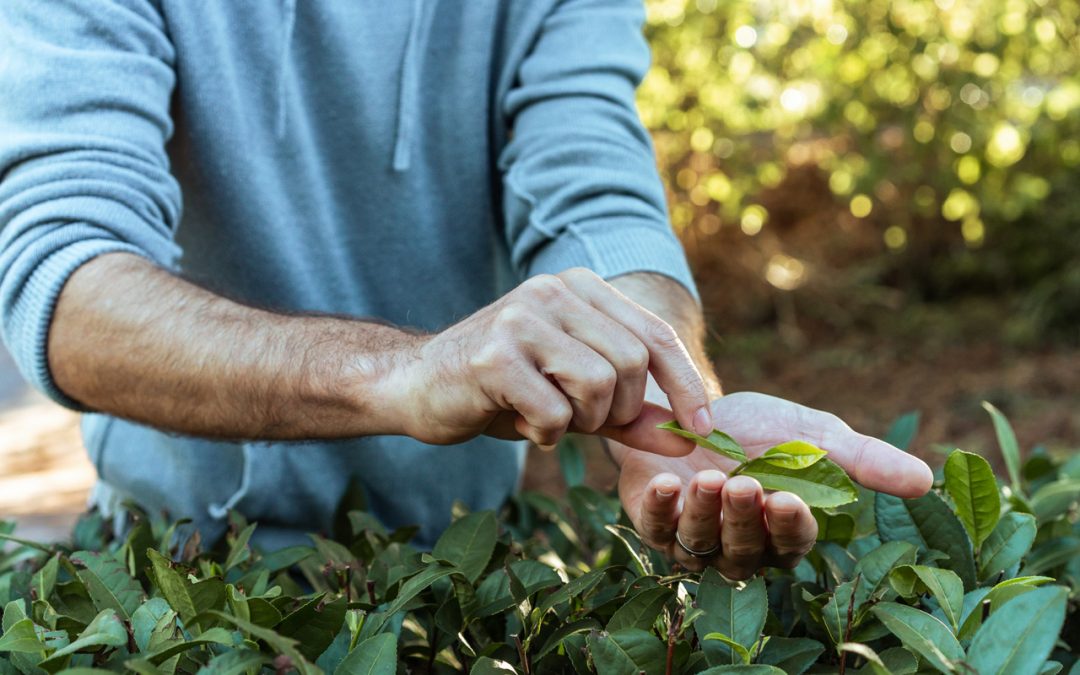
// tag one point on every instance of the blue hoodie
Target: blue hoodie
(410, 160)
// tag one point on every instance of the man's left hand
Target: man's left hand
(691, 498)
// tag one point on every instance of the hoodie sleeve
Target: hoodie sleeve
(83, 170)
(580, 181)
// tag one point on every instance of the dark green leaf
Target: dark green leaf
(374, 656)
(756, 669)
(903, 430)
(739, 614)
(488, 666)
(564, 631)
(791, 655)
(108, 582)
(1018, 638)
(970, 482)
(1007, 544)
(835, 527)
(641, 610)
(1010, 449)
(718, 441)
(875, 566)
(823, 485)
(234, 662)
(571, 462)
(1055, 499)
(469, 543)
(944, 585)
(928, 523)
(1050, 555)
(314, 625)
(921, 633)
(629, 651)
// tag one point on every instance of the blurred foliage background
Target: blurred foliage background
(879, 200)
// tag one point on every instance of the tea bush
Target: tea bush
(974, 577)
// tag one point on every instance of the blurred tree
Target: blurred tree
(951, 127)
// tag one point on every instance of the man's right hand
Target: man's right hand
(559, 353)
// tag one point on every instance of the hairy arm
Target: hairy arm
(132, 340)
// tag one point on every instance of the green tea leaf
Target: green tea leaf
(742, 652)
(22, 637)
(1018, 638)
(234, 662)
(928, 523)
(108, 582)
(718, 441)
(791, 655)
(314, 625)
(1055, 499)
(835, 527)
(903, 430)
(488, 666)
(1050, 555)
(105, 630)
(753, 669)
(173, 586)
(970, 482)
(1007, 544)
(921, 633)
(875, 566)
(823, 484)
(278, 643)
(571, 462)
(641, 610)
(239, 551)
(873, 661)
(627, 651)
(793, 455)
(564, 631)
(374, 656)
(944, 585)
(1010, 449)
(738, 613)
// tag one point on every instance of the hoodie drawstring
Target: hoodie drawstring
(288, 8)
(219, 511)
(409, 94)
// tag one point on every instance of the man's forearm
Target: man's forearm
(132, 340)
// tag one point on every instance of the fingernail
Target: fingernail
(709, 492)
(743, 500)
(703, 421)
(665, 492)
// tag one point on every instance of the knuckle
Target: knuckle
(511, 318)
(663, 336)
(578, 274)
(743, 551)
(738, 573)
(634, 359)
(493, 357)
(545, 287)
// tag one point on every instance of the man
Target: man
(473, 164)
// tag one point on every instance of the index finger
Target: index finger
(669, 361)
(876, 464)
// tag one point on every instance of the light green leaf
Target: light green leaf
(145, 618)
(793, 455)
(469, 543)
(836, 611)
(1055, 499)
(742, 652)
(738, 613)
(1010, 449)
(1011, 588)
(970, 482)
(928, 523)
(44, 580)
(22, 637)
(754, 669)
(108, 582)
(173, 586)
(374, 656)
(628, 651)
(921, 633)
(214, 636)
(106, 630)
(873, 661)
(944, 585)
(1018, 638)
(823, 484)
(834, 527)
(718, 441)
(641, 610)
(1007, 544)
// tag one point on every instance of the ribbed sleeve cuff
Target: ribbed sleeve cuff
(612, 248)
(35, 310)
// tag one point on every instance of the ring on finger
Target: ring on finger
(696, 554)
